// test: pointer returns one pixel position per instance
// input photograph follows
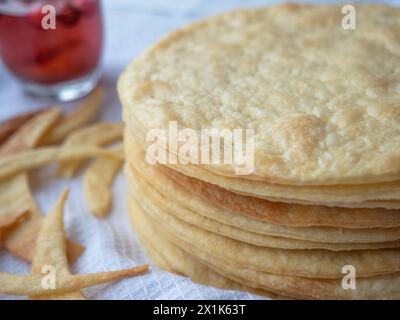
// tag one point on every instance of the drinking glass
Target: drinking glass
(52, 47)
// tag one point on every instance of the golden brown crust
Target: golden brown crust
(161, 204)
(259, 209)
(324, 102)
(9, 126)
(173, 259)
(304, 263)
(185, 199)
(287, 213)
(376, 195)
(379, 287)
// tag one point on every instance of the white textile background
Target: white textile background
(111, 244)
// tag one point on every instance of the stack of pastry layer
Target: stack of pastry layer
(323, 200)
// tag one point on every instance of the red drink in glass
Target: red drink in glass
(61, 62)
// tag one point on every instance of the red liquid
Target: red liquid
(69, 52)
